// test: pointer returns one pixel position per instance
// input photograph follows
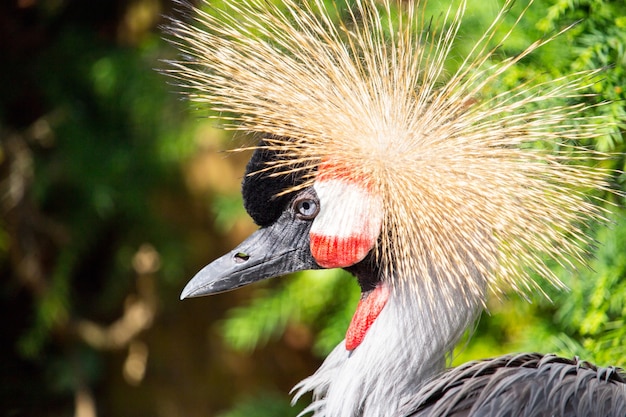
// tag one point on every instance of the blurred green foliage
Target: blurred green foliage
(92, 142)
(110, 155)
(102, 216)
(304, 299)
(268, 404)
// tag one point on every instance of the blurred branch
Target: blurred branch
(31, 234)
(139, 309)
(85, 406)
(138, 316)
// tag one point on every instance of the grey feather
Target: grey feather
(522, 385)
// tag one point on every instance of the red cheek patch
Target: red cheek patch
(348, 224)
(366, 313)
(337, 252)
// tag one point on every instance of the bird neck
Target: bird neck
(406, 344)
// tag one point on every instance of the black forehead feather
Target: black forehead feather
(260, 189)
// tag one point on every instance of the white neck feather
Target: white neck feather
(405, 346)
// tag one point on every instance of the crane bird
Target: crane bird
(430, 188)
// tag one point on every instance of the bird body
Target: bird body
(358, 382)
(523, 385)
(431, 189)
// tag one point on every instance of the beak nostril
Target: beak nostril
(241, 257)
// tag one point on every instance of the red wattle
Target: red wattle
(366, 312)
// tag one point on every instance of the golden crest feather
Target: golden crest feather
(470, 201)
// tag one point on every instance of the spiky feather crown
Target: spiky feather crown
(469, 201)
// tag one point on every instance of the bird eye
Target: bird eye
(306, 208)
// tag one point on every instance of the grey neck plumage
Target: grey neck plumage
(405, 346)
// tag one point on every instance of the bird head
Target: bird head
(335, 222)
(377, 161)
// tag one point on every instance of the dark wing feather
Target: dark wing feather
(529, 384)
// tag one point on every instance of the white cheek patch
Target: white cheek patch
(348, 224)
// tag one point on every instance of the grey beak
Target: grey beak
(271, 251)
